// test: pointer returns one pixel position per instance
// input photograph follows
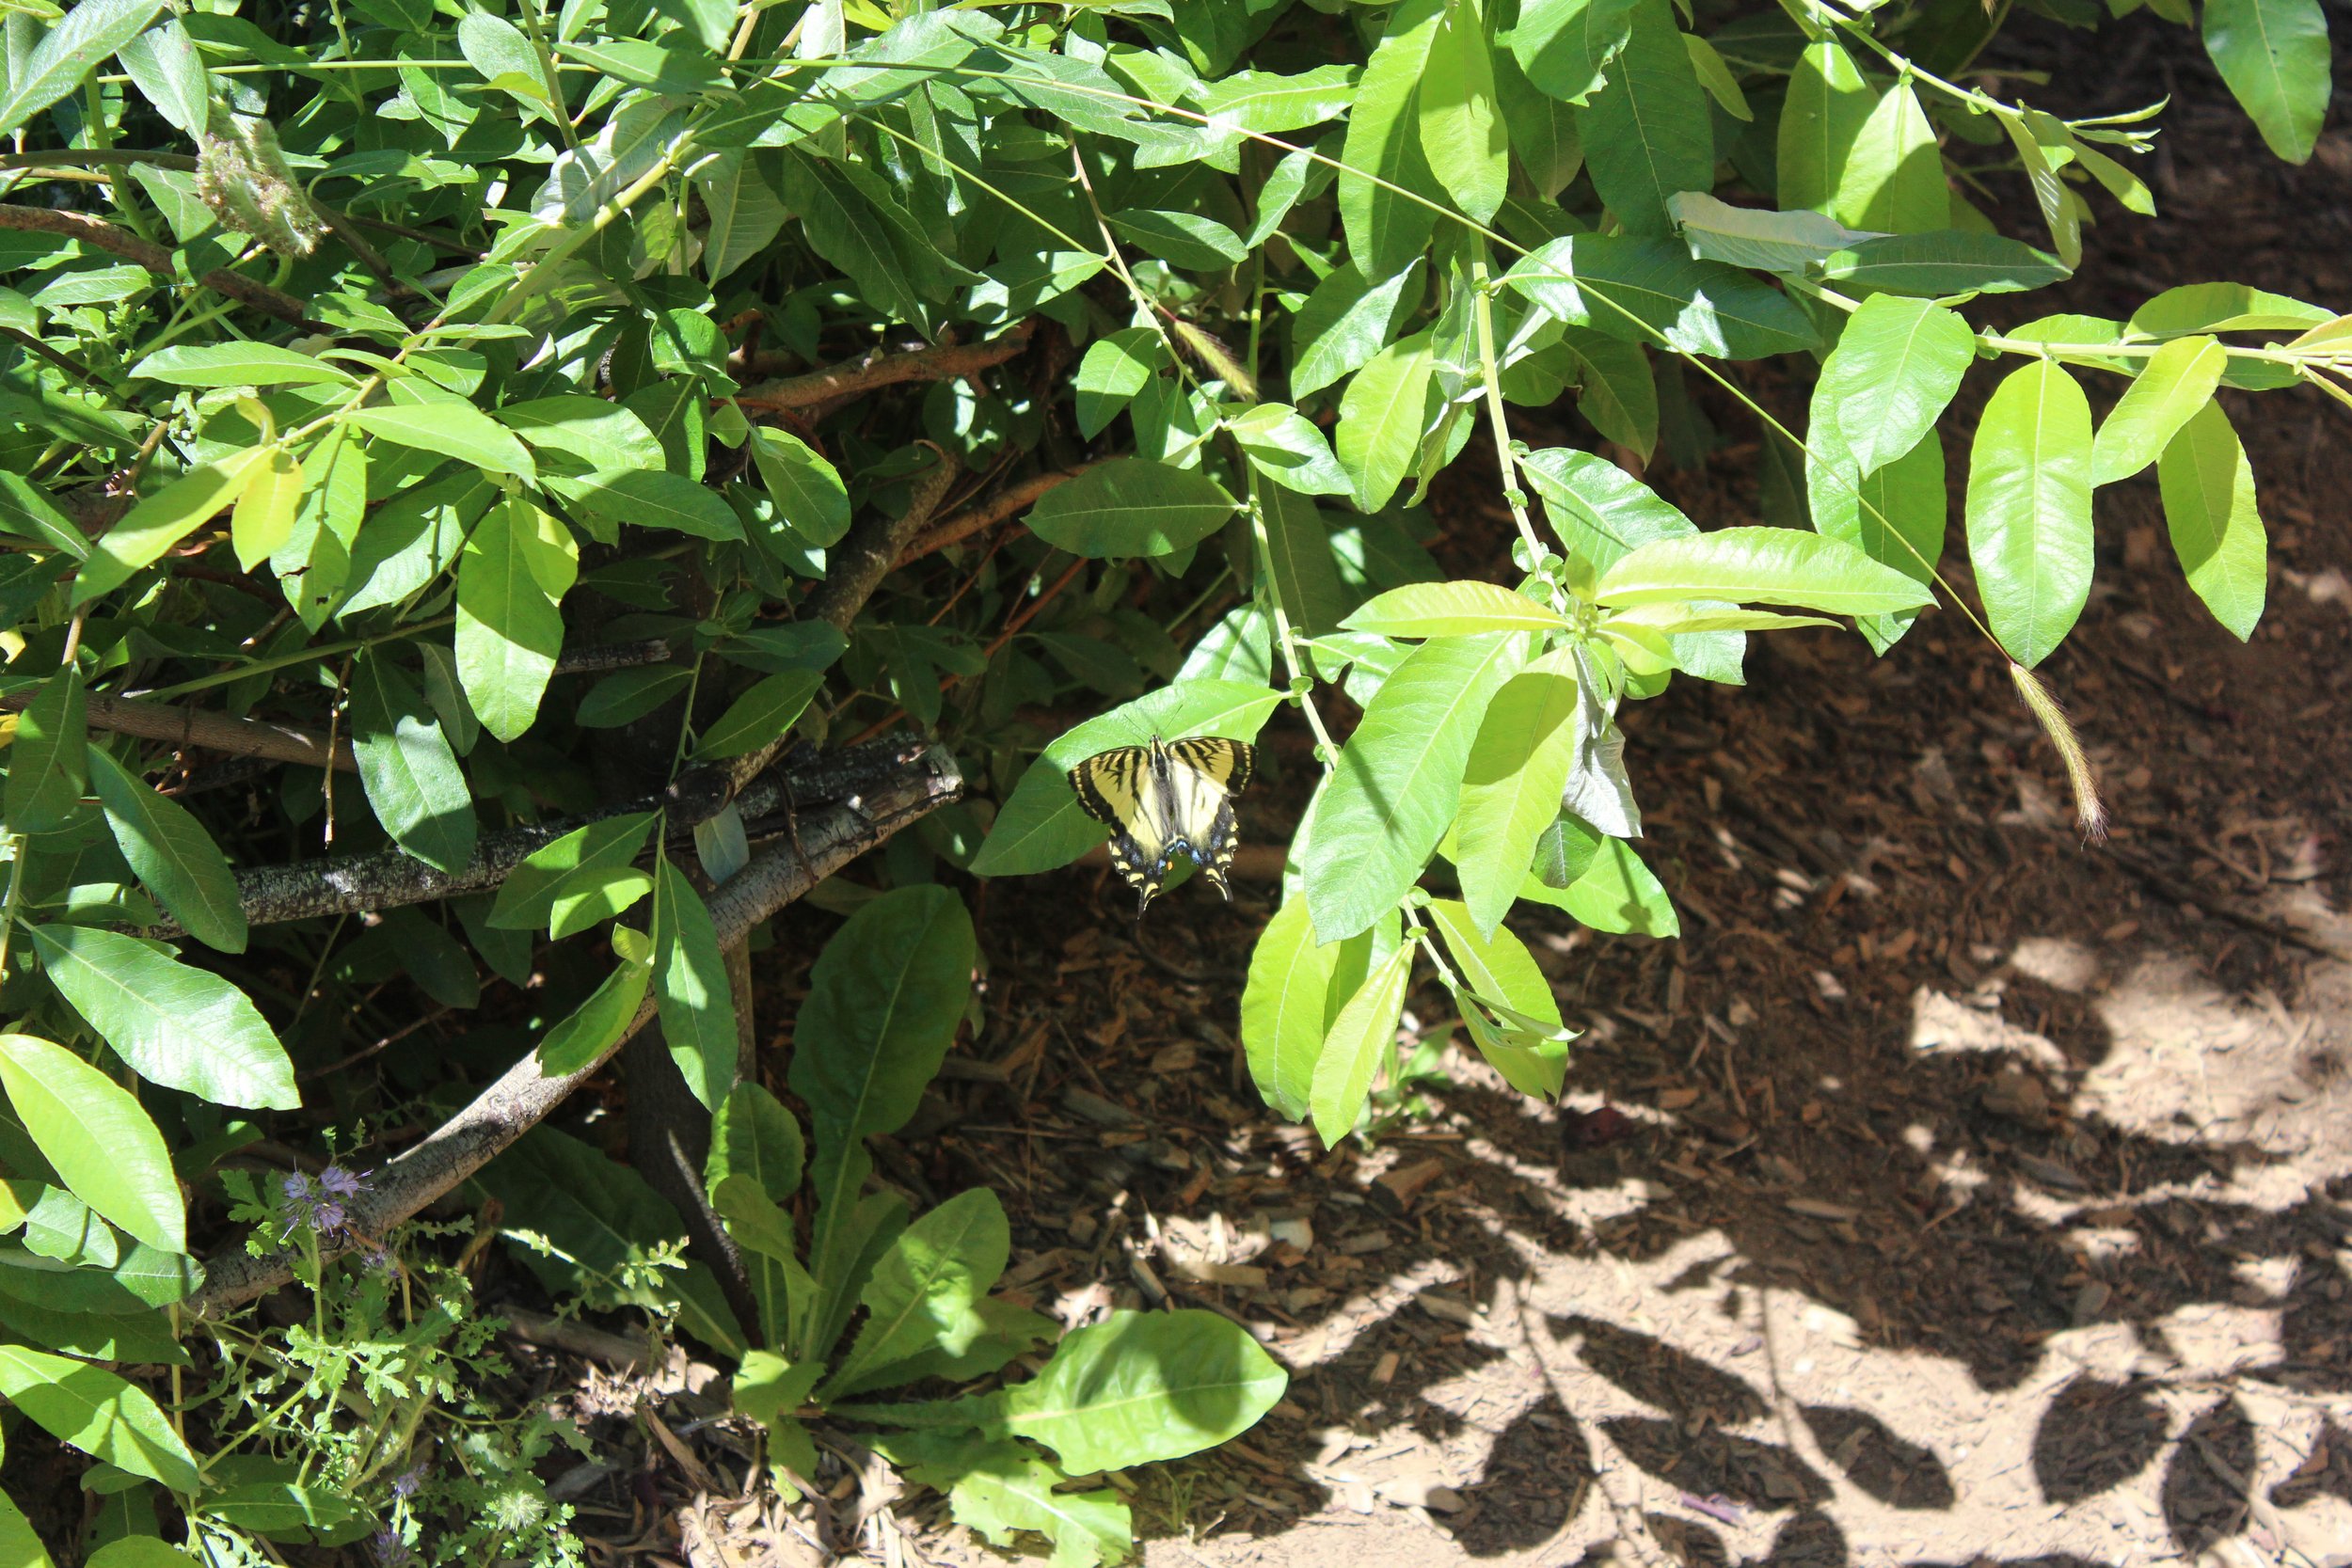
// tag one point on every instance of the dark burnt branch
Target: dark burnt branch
(524, 1095)
(883, 369)
(211, 732)
(387, 879)
(155, 258)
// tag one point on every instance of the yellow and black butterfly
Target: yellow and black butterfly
(1170, 796)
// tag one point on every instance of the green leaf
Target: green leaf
(1143, 1387)
(1653, 290)
(170, 75)
(1452, 609)
(1564, 45)
(176, 1025)
(1497, 968)
(1179, 239)
(2209, 510)
(1828, 105)
(1648, 133)
(2195, 307)
(1461, 128)
(1617, 893)
(1946, 262)
(653, 497)
(1285, 1008)
(1042, 825)
(1345, 321)
(1762, 565)
(689, 979)
(1383, 414)
(2029, 509)
(754, 1136)
(1748, 237)
(1131, 506)
(1511, 787)
(760, 715)
(562, 868)
(92, 1132)
(807, 490)
(66, 52)
(2175, 383)
(263, 519)
(509, 629)
(1299, 560)
(1397, 781)
(236, 364)
(20, 1546)
(405, 765)
(1289, 449)
(1361, 1039)
(162, 520)
(924, 1292)
(1115, 369)
(847, 223)
(1893, 181)
(1895, 515)
(28, 514)
(1004, 1488)
(91, 1409)
(1614, 388)
(581, 1037)
(1597, 511)
(1383, 165)
(49, 759)
(1716, 75)
(745, 213)
(2274, 56)
(457, 430)
(171, 854)
(1894, 371)
(884, 999)
(600, 434)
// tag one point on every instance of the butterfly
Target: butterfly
(1159, 798)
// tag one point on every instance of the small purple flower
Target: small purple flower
(328, 1218)
(341, 1182)
(378, 1260)
(387, 1549)
(406, 1483)
(296, 1187)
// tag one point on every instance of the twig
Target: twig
(980, 519)
(884, 369)
(155, 258)
(212, 732)
(599, 657)
(26, 339)
(389, 879)
(566, 1333)
(524, 1095)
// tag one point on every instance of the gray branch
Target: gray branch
(524, 1095)
(386, 879)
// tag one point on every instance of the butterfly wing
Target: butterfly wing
(1225, 763)
(1120, 787)
(1205, 774)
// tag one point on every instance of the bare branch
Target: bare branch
(980, 519)
(884, 369)
(155, 258)
(212, 732)
(524, 1095)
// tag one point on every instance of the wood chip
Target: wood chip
(1447, 1308)
(1405, 1183)
(1822, 1211)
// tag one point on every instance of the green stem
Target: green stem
(303, 656)
(15, 843)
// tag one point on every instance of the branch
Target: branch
(155, 258)
(884, 369)
(980, 519)
(524, 1095)
(387, 879)
(212, 732)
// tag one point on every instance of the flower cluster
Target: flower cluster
(322, 1207)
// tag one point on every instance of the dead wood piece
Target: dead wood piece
(524, 1095)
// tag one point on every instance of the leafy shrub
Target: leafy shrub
(504, 434)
